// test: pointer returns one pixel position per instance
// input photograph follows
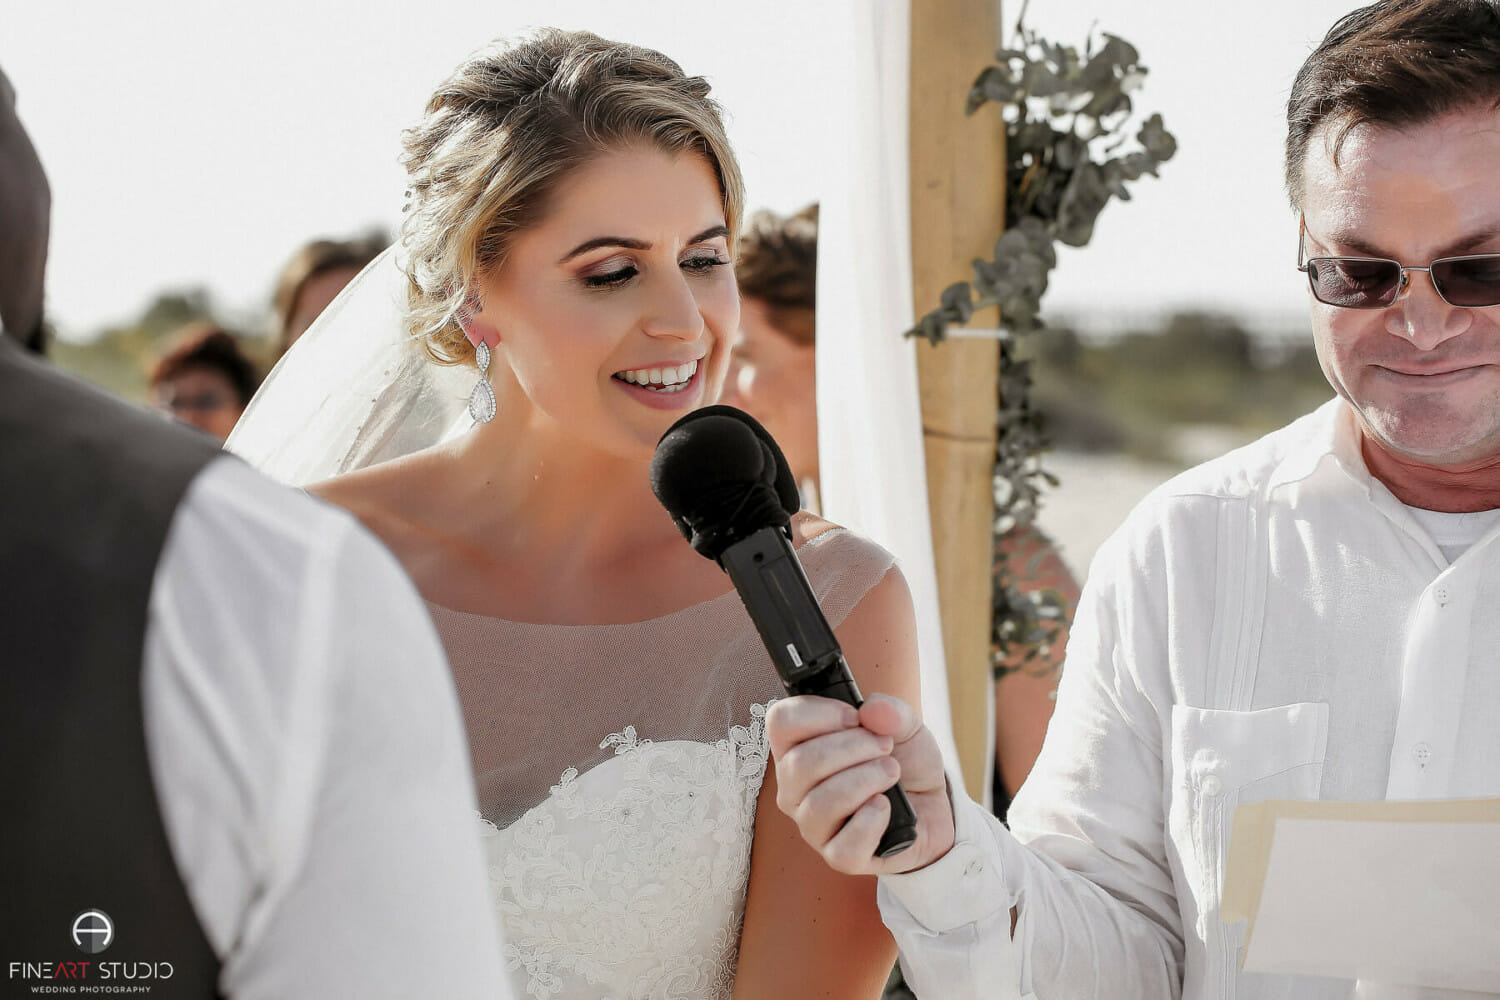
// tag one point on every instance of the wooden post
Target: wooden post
(957, 212)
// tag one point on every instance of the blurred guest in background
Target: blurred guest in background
(203, 379)
(773, 377)
(772, 373)
(313, 278)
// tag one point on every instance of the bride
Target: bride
(568, 241)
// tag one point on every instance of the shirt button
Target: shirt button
(1441, 594)
(1211, 785)
(1422, 754)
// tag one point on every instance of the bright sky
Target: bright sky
(188, 145)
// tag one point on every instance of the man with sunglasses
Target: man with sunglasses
(1314, 616)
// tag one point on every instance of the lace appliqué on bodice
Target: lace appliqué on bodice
(628, 882)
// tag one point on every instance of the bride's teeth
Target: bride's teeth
(670, 379)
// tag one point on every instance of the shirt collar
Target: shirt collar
(1332, 443)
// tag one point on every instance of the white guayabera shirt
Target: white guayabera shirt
(1273, 624)
(306, 746)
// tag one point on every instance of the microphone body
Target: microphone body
(766, 572)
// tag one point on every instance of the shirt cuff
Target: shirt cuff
(964, 886)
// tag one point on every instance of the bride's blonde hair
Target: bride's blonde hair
(504, 129)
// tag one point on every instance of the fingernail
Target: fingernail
(887, 744)
(851, 716)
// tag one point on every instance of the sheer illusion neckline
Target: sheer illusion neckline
(475, 616)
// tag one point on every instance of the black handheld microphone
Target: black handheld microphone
(730, 492)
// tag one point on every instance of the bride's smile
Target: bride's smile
(616, 309)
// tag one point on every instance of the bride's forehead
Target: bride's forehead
(646, 194)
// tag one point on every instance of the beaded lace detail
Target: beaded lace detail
(631, 876)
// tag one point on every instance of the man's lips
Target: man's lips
(1439, 371)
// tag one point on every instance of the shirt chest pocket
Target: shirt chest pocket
(1220, 760)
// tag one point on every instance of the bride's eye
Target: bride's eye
(703, 263)
(609, 278)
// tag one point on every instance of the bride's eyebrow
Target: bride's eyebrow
(712, 233)
(626, 243)
(604, 241)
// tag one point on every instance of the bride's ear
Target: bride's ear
(478, 329)
(481, 331)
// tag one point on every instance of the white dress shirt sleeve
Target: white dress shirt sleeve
(951, 920)
(307, 748)
(1086, 870)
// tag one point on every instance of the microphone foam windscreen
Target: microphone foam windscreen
(719, 479)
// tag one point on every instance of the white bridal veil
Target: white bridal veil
(354, 390)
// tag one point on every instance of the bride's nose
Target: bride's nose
(672, 311)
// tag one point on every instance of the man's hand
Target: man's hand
(833, 765)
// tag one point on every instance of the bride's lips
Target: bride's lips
(660, 396)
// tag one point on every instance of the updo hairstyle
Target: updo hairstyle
(505, 129)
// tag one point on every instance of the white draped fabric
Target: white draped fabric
(871, 464)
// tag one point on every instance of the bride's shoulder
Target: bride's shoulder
(866, 599)
(827, 536)
(387, 498)
(807, 526)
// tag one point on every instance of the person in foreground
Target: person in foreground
(573, 204)
(1316, 615)
(226, 722)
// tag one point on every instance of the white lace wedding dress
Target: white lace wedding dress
(618, 768)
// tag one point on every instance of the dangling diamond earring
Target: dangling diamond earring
(482, 399)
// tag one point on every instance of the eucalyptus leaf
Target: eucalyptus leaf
(1156, 140)
(1121, 51)
(1068, 151)
(1082, 202)
(957, 300)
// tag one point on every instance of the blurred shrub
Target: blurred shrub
(116, 359)
(1133, 393)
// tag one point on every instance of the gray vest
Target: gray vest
(88, 487)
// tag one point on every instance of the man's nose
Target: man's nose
(1420, 315)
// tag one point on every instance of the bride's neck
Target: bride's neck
(530, 488)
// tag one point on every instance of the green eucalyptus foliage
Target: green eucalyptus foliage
(1073, 142)
(1069, 149)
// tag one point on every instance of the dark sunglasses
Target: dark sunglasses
(1374, 283)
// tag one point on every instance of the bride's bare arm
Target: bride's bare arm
(810, 931)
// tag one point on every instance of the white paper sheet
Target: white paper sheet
(1394, 892)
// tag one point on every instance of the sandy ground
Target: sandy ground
(1097, 490)
(1095, 494)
